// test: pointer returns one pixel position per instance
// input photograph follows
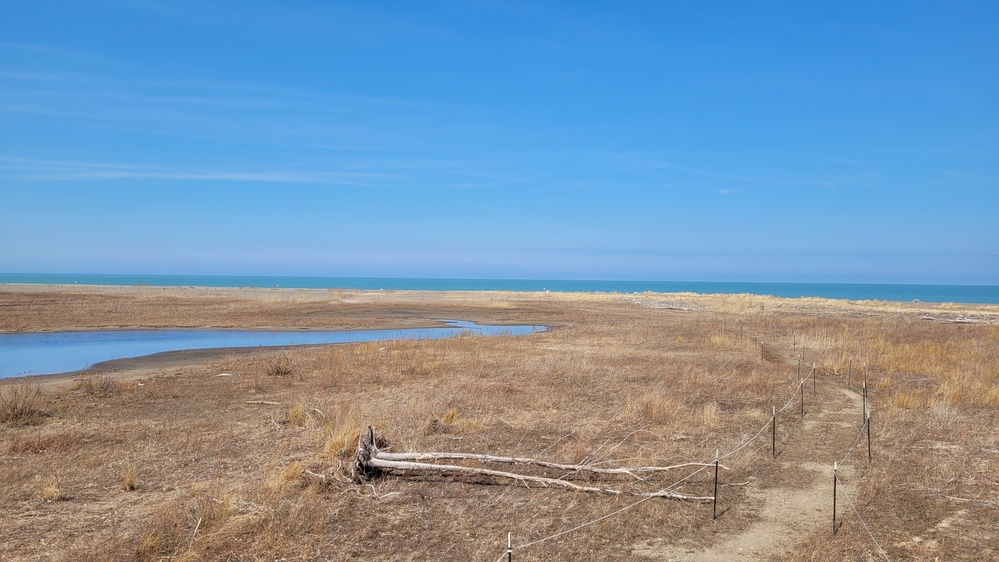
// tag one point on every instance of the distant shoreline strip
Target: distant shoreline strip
(965, 294)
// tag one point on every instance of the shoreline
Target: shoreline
(145, 366)
(182, 352)
(964, 294)
(390, 296)
(317, 310)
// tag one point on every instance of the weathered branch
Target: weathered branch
(957, 320)
(404, 465)
(369, 462)
(630, 470)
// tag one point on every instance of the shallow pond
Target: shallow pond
(63, 352)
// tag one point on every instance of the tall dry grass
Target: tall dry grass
(21, 404)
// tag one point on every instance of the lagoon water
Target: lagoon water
(61, 352)
(979, 294)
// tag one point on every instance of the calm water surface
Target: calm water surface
(983, 294)
(62, 352)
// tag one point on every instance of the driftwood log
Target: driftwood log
(369, 462)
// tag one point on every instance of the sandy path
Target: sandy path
(798, 500)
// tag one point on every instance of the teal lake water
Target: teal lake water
(63, 352)
(978, 294)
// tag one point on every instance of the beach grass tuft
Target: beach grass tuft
(20, 404)
(280, 366)
(130, 479)
(100, 385)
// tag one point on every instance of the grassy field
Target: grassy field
(245, 456)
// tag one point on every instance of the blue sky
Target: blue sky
(705, 141)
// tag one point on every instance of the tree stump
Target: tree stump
(362, 470)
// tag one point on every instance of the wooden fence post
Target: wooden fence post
(773, 433)
(714, 507)
(865, 402)
(835, 470)
(868, 437)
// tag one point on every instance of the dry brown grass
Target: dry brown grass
(100, 385)
(130, 479)
(20, 404)
(251, 466)
(52, 490)
(280, 366)
(44, 442)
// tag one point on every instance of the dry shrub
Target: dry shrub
(710, 415)
(288, 476)
(313, 414)
(20, 404)
(443, 423)
(99, 385)
(280, 366)
(298, 415)
(53, 489)
(130, 479)
(449, 416)
(341, 432)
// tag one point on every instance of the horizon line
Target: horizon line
(510, 279)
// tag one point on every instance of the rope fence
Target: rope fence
(865, 427)
(771, 424)
(862, 522)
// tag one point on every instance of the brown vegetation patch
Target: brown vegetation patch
(20, 404)
(181, 463)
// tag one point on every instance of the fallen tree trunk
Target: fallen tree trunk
(369, 462)
(630, 470)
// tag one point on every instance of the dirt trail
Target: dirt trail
(798, 498)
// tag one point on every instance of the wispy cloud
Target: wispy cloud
(58, 170)
(40, 76)
(74, 55)
(215, 93)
